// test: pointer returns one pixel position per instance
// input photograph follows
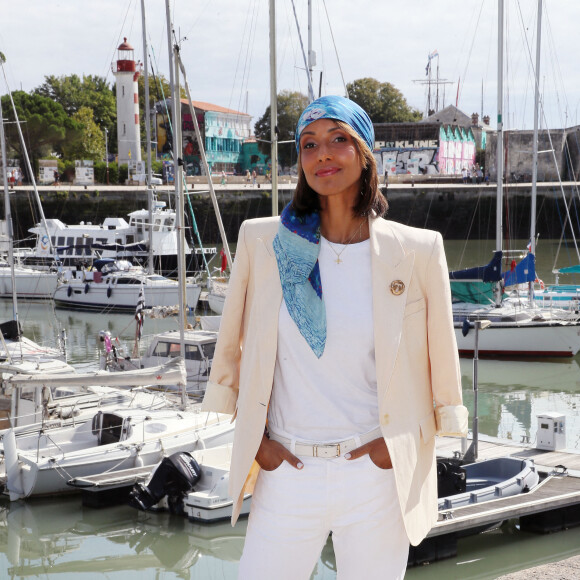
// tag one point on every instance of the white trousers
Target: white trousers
(293, 511)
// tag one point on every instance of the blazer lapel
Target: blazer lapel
(392, 268)
(270, 298)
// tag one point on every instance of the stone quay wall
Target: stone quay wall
(458, 211)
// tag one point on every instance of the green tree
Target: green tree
(92, 91)
(290, 105)
(45, 124)
(90, 141)
(382, 101)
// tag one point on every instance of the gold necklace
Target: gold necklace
(338, 254)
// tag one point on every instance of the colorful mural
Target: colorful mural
(424, 149)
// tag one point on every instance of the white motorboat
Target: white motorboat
(114, 238)
(199, 346)
(193, 484)
(42, 463)
(115, 285)
(210, 500)
(29, 282)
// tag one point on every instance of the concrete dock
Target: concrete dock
(564, 570)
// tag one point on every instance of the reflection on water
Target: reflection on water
(60, 538)
(41, 323)
(45, 538)
(512, 393)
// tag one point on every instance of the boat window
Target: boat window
(27, 394)
(208, 349)
(167, 349)
(128, 281)
(130, 239)
(70, 242)
(170, 223)
(157, 225)
(192, 352)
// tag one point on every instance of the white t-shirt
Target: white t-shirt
(334, 397)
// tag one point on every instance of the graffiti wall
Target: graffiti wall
(423, 149)
(421, 161)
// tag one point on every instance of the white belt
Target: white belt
(327, 450)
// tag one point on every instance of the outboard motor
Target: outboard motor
(174, 476)
(451, 477)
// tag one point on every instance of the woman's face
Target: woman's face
(330, 160)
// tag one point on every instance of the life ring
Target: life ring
(69, 291)
(87, 287)
(109, 292)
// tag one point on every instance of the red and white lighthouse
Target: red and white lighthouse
(128, 133)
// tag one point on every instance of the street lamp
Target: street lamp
(107, 154)
(471, 454)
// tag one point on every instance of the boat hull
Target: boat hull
(50, 473)
(524, 340)
(29, 284)
(121, 299)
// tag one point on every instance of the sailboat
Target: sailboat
(518, 327)
(14, 346)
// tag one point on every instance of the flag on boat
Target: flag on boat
(139, 311)
(430, 56)
(224, 258)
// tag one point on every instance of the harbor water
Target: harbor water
(58, 538)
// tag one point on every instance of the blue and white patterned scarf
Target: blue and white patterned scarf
(296, 246)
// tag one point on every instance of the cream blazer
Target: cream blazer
(418, 376)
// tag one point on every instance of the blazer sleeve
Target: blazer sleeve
(450, 414)
(222, 388)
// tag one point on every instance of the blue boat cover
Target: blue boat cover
(523, 272)
(489, 273)
(570, 270)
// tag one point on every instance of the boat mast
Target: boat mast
(499, 152)
(150, 264)
(173, 54)
(311, 55)
(203, 158)
(8, 216)
(535, 144)
(273, 109)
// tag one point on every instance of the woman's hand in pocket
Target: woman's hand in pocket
(376, 450)
(271, 454)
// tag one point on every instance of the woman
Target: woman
(337, 333)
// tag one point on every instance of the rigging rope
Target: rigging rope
(335, 49)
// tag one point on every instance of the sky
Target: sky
(225, 49)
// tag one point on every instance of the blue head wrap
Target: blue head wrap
(339, 109)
